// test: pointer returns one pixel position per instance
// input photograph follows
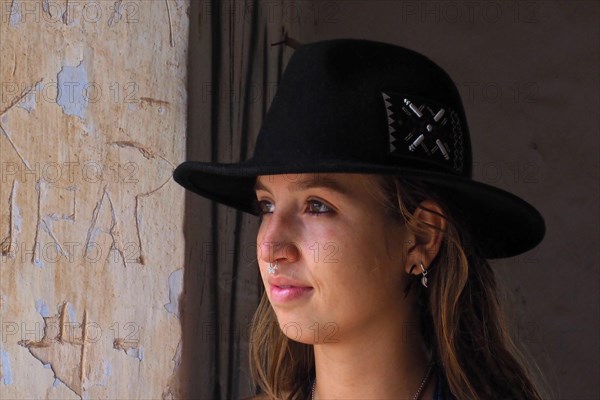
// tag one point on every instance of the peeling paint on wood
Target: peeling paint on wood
(175, 289)
(92, 123)
(15, 13)
(65, 346)
(117, 14)
(72, 86)
(132, 349)
(5, 370)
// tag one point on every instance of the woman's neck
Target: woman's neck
(378, 364)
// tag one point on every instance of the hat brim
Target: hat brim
(500, 223)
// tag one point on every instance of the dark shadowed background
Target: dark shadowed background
(528, 72)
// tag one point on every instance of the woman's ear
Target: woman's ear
(429, 225)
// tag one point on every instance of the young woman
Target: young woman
(373, 238)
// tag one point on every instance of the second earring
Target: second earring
(424, 278)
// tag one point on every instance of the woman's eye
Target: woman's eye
(318, 207)
(265, 207)
(314, 207)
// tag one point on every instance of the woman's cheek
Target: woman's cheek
(320, 243)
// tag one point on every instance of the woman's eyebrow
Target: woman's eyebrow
(324, 181)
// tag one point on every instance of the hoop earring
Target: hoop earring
(424, 277)
(272, 268)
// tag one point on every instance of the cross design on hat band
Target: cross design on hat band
(423, 128)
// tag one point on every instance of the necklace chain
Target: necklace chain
(415, 397)
(423, 382)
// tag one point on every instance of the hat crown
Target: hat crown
(365, 102)
(354, 106)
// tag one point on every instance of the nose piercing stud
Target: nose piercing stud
(271, 268)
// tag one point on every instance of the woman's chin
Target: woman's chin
(306, 329)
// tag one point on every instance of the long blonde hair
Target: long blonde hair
(461, 318)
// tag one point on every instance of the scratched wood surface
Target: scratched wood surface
(92, 122)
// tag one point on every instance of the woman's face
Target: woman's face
(341, 260)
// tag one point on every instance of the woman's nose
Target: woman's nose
(277, 241)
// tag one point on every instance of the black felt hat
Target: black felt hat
(358, 106)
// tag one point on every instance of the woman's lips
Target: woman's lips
(285, 289)
(284, 294)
